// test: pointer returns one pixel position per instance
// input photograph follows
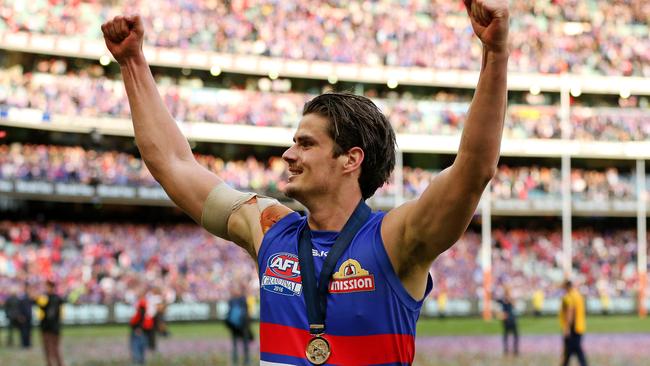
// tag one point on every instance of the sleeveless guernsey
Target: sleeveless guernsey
(370, 317)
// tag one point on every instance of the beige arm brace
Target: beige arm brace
(222, 202)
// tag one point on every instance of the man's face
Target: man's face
(313, 169)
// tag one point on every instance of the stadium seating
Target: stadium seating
(594, 37)
(98, 263)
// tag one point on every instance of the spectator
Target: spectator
(140, 323)
(154, 305)
(238, 322)
(159, 323)
(538, 302)
(12, 312)
(509, 319)
(25, 304)
(573, 322)
(51, 306)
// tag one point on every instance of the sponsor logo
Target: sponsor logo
(319, 253)
(282, 275)
(351, 277)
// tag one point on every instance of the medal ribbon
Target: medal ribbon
(316, 298)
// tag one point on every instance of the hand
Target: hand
(124, 37)
(490, 22)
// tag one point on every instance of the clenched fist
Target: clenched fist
(124, 37)
(490, 22)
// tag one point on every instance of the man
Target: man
(509, 319)
(141, 322)
(51, 305)
(25, 303)
(159, 323)
(376, 266)
(573, 322)
(238, 322)
(12, 313)
(538, 302)
(154, 301)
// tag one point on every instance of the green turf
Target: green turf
(426, 327)
(107, 345)
(530, 325)
(181, 330)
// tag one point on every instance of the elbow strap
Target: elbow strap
(222, 202)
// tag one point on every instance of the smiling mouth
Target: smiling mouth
(294, 173)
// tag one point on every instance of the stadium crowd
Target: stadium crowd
(62, 164)
(105, 263)
(592, 37)
(74, 164)
(102, 263)
(529, 259)
(56, 89)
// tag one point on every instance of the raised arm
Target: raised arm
(163, 146)
(418, 231)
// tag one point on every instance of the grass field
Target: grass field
(614, 340)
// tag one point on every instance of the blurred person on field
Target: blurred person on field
(441, 300)
(12, 312)
(140, 324)
(342, 272)
(605, 300)
(508, 317)
(50, 307)
(538, 302)
(154, 304)
(25, 318)
(159, 323)
(573, 320)
(238, 322)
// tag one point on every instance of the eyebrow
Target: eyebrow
(303, 139)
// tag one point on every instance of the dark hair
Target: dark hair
(355, 121)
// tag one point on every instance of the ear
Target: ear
(353, 159)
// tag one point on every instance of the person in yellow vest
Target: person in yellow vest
(573, 322)
(50, 312)
(538, 302)
(442, 304)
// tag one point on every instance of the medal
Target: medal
(318, 350)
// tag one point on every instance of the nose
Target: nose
(289, 155)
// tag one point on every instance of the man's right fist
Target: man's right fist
(123, 37)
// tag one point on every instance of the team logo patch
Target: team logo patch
(282, 275)
(351, 278)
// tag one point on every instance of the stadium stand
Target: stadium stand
(594, 37)
(65, 137)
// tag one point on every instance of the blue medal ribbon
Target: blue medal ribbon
(316, 298)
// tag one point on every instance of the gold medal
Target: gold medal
(318, 350)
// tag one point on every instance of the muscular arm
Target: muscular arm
(418, 231)
(162, 145)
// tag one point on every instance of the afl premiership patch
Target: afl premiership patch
(282, 275)
(351, 277)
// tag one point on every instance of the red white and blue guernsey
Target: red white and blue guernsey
(370, 317)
